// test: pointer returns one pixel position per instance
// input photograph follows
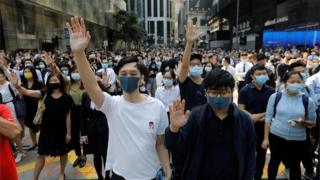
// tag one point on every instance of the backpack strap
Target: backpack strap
(11, 92)
(278, 97)
(305, 101)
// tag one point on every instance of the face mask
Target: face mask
(65, 73)
(129, 84)
(28, 75)
(75, 76)
(219, 102)
(304, 75)
(196, 71)
(167, 82)
(295, 87)
(207, 69)
(262, 79)
(42, 66)
(54, 86)
(104, 65)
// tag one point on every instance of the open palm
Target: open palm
(79, 36)
(178, 117)
(192, 32)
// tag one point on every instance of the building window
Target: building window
(151, 27)
(203, 22)
(168, 10)
(168, 29)
(161, 8)
(160, 32)
(155, 8)
(131, 5)
(149, 8)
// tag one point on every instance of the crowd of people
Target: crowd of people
(157, 113)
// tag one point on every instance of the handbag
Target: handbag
(37, 120)
(19, 104)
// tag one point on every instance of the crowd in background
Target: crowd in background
(71, 121)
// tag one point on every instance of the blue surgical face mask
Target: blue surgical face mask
(65, 73)
(129, 83)
(208, 69)
(304, 76)
(167, 82)
(295, 87)
(262, 79)
(75, 76)
(219, 102)
(105, 65)
(196, 71)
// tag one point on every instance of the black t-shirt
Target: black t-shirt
(271, 82)
(255, 100)
(192, 93)
(219, 158)
(153, 67)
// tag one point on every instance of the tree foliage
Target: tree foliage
(128, 30)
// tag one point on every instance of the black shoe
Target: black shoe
(76, 162)
(82, 163)
(32, 148)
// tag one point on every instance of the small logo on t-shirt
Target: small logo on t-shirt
(151, 125)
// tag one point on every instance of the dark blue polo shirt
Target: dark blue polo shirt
(255, 100)
(219, 160)
(192, 93)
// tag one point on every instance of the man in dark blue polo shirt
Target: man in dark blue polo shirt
(218, 139)
(254, 99)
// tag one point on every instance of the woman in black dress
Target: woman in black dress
(55, 129)
(30, 81)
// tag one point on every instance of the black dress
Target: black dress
(52, 140)
(32, 106)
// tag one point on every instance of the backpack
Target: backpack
(305, 101)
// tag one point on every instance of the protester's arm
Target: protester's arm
(68, 125)
(7, 126)
(268, 119)
(79, 40)
(311, 117)
(191, 36)
(163, 156)
(22, 90)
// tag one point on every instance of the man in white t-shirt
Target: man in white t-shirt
(136, 121)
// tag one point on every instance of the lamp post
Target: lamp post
(237, 28)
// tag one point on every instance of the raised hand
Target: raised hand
(178, 117)
(105, 77)
(192, 32)
(79, 36)
(15, 81)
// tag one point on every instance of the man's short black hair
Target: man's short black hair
(296, 64)
(218, 79)
(261, 57)
(257, 67)
(196, 56)
(227, 59)
(132, 59)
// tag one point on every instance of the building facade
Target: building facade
(157, 18)
(256, 17)
(40, 24)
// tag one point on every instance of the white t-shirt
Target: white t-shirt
(133, 130)
(167, 96)
(7, 97)
(159, 79)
